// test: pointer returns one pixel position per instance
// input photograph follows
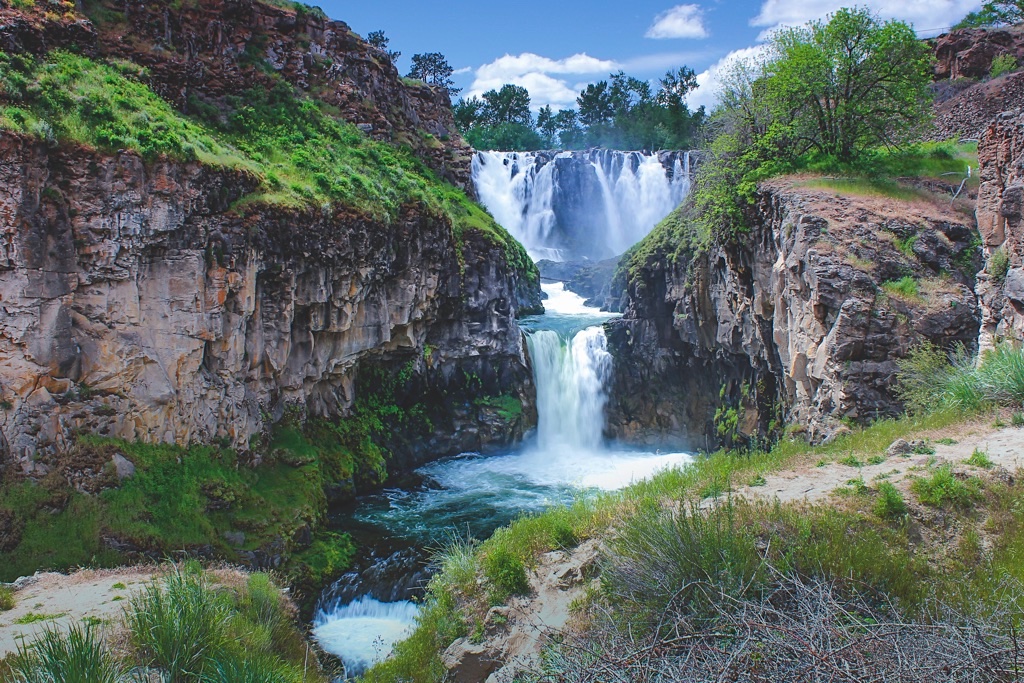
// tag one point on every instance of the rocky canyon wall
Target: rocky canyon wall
(136, 305)
(1000, 198)
(800, 320)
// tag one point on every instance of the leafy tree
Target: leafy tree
(511, 104)
(468, 113)
(380, 41)
(849, 84)
(433, 68)
(1005, 12)
(596, 106)
(505, 136)
(547, 126)
(570, 133)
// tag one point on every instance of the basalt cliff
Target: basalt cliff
(146, 298)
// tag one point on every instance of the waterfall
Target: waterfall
(574, 205)
(571, 379)
(362, 632)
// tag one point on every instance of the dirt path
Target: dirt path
(58, 600)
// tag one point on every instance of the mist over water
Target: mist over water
(571, 205)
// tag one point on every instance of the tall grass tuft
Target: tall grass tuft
(234, 669)
(75, 656)
(1001, 375)
(180, 626)
(6, 598)
(943, 489)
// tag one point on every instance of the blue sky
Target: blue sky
(555, 47)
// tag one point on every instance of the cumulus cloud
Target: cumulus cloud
(682, 21)
(548, 80)
(709, 82)
(925, 15)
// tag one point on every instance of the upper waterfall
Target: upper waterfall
(568, 206)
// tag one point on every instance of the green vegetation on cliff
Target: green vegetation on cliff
(303, 156)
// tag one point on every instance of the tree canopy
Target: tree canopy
(380, 41)
(433, 68)
(1006, 12)
(622, 112)
(849, 84)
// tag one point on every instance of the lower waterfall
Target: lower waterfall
(362, 615)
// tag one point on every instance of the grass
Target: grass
(980, 459)
(999, 265)
(36, 617)
(906, 288)
(303, 157)
(866, 187)
(75, 655)
(943, 489)
(6, 598)
(189, 626)
(889, 503)
(931, 377)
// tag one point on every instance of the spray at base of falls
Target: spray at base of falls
(573, 205)
(363, 632)
(472, 494)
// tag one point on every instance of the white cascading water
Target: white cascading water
(571, 381)
(637, 191)
(363, 631)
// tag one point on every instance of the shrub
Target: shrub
(75, 656)
(851, 461)
(1003, 64)
(1001, 375)
(979, 458)
(999, 265)
(506, 572)
(928, 378)
(1017, 419)
(889, 504)
(179, 626)
(6, 598)
(942, 488)
(905, 288)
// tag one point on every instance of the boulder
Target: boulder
(123, 467)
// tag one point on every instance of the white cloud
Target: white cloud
(463, 70)
(682, 21)
(547, 79)
(709, 82)
(925, 15)
(662, 60)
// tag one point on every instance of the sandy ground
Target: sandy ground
(58, 600)
(808, 482)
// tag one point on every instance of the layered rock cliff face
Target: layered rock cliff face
(197, 53)
(1000, 208)
(966, 98)
(141, 300)
(799, 321)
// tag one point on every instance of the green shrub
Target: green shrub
(942, 489)
(77, 655)
(1003, 64)
(905, 288)
(851, 461)
(979, 458)
(889, 503)
(999, 265)
(929, 378)
(179, 626)
(1001, 375)
(6, 598)
(506, 573)
(1017, 419)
